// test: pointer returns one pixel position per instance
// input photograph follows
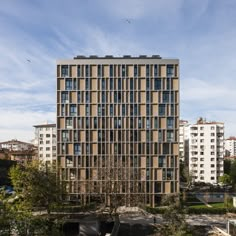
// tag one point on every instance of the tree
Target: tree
(174, 216)
(227, 166)
(36, 186)
(185, 174)
(225, 179)
(233, 172)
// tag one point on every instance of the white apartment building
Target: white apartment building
(184, 140)
(206, 151)
(230, 147)
(45, 139)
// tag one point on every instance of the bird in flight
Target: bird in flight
(28, 60)
(128, 21)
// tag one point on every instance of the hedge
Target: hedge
(200, 210)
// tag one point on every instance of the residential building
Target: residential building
(16, 145)
(184, 141)
(45, 139)
(18, 151)
(119, 116)
(206, 151)
(230, 147)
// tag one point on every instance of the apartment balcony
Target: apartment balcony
(194, 159)
(193, 153)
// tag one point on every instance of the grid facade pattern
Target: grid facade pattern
(120, 115)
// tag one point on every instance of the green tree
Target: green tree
(225, 179)
(227, 166)
(36, 186)
(233, 172)
(174, 216)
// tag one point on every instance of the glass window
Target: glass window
(73, 110)
(64, 71)
(87, 84)
(119, 122)
(79, 97)
(170, 70)
(170, 136)
(78, 70)
(123, 70)
(115, 122)
(119, 96)
(155, 70)
(131, 96)
(95, 123)
(103, 97)
(115, 97)
(99, 70)
(119, 84)
(170, 122)
(74, 84)
(139, 122)
(65, 136)
(148, 123)
(87, 97)
(87, 110)
(111, 110)
(157, 84)
(64, 97)
(161, 161)
(111, 84)
(166, 97)
(111, 70)
(135, 109)
(77, 149)
(62, 110)
(148, 110)
(87, 124)
(99, 110)
(162, 110)
(135, 70)
(69, 123)
(160, 139)
(103, 84)
(69, 84)
(147, 70)
(168, 83)
(147, 83)
(131, 84)
(147, 96)
(156, 123)
(123, 109)
(87, 68)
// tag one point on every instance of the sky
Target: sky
(36, 33)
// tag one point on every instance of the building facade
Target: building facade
(230, 147)
(15, 150)
(184, 141)
(45, 139)
(117, 120)
(206, 151)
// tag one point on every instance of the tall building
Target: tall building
(184, 141)
(206, 151)
(118, 118)
(45, 139)
(230, 147)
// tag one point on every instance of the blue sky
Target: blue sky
(200, 33)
